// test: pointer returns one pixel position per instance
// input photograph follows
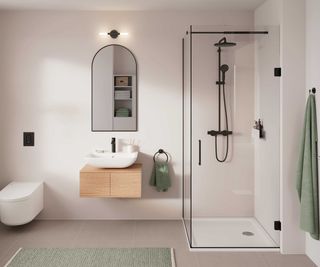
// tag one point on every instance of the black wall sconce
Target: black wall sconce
(113, 34)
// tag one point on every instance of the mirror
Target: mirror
(114, 90)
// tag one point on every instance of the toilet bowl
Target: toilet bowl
(20, 202)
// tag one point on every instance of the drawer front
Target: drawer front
(126, 185)
(94, 184)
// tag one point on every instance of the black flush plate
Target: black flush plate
(277, 72)
(28, 139)
(277, 225)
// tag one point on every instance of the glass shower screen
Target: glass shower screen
(231, 124)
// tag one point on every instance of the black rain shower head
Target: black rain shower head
(224, 43)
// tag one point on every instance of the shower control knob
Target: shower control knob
(215, 133)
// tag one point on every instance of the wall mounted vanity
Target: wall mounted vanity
(111, 183)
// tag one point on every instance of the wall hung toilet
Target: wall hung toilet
(20, 202)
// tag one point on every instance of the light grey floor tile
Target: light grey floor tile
(159, 230)
(231, 259)
(107, 230)
(48, 233)
(187, 259)
(279, 260)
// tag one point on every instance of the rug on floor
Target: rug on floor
(93, 257)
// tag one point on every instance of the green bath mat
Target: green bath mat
(93, 257)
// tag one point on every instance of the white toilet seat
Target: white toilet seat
(20, 202)
(18, 191)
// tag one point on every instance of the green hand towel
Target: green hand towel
(160, 176)
(307, 178)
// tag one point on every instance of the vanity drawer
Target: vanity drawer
(111, 183)
(94, 184)
(126, 185)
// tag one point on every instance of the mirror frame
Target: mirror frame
(136, 66)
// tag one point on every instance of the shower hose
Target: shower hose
(216, 137)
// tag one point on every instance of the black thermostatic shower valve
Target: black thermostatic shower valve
(28, 139)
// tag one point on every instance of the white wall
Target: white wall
(292, 112)
(46, 89)
(313, 80)
(289, 14)
(1, 106)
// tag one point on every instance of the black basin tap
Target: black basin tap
(113, 145)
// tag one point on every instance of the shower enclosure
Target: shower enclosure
(231, 137)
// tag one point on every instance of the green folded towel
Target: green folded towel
(307, 176)
(123, 112)
(160, 176)
(122, 115)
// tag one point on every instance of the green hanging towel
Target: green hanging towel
(307, 178)
(160, 176)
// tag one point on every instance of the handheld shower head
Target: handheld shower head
(224, 68)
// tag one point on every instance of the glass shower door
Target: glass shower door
(186, 153)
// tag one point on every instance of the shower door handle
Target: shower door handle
(199, 153)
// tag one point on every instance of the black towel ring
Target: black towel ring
(160, 151)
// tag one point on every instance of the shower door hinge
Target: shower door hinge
(277, 225)
(277, 72)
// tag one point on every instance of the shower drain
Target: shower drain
(247, 233)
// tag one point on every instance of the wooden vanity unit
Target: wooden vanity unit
(112, 183)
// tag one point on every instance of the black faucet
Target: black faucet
(113, 145)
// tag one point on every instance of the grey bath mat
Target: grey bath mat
(93, 257)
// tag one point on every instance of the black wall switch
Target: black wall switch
(28, 139)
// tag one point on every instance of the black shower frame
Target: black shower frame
(190, 32)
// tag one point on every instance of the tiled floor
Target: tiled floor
(133, 234)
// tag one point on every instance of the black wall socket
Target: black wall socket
(28, 139)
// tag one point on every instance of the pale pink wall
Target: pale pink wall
(231, 182)
(46, 89)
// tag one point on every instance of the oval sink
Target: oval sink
(111, 160)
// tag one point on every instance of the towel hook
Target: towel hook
(313, 90)
(160, 151)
